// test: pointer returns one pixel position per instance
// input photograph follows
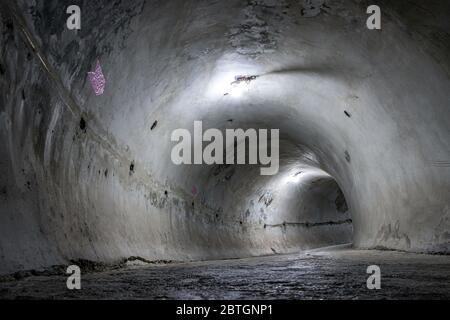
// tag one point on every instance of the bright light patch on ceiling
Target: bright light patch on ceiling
(224, 84)
(294, 178)
(304, 174)
(237, 90)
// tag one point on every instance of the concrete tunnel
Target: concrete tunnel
(363, 118)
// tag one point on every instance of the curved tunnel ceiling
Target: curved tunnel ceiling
(363, 118)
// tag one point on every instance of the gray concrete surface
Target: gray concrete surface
(323, 274)
(86, 177)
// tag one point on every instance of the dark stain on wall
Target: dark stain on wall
(4, 192)
(220, 168)
(347, 156)
(255, 35)
(229, 174)
(83, 124)
(266, 198)
(341, 204)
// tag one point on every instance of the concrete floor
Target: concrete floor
(330, 273)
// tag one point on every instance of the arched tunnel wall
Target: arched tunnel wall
(90, 177)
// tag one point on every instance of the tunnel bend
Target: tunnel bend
(239, 212)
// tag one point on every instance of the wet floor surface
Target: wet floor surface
(319, 274)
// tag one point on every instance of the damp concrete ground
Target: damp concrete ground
(336, 273)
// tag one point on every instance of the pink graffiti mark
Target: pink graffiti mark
(97, 79)
(194, 191)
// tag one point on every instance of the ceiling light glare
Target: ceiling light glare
(295, 177)
(237, 90)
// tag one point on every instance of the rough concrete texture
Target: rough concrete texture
(90, 177)
(337, 273)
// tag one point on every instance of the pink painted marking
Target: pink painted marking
(97, 79)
